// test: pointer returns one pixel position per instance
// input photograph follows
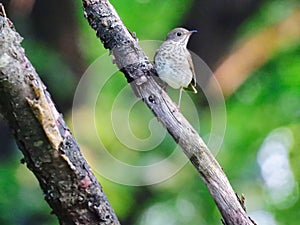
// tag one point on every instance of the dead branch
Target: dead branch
(50, 151)
(139, 73)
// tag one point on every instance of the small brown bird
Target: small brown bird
(173, 61)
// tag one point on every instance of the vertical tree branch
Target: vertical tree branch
(139, 73)
(49, 149)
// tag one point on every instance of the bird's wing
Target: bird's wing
(156, 52)
(192, 85)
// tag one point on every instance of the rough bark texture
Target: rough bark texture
(139, 72)
(49, 149)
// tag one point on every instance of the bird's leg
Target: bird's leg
(179, 100)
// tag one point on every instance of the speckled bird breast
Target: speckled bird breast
(172, 64)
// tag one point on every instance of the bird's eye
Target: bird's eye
(178, 34)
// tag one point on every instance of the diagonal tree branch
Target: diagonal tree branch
(49, 149)
(139, 73)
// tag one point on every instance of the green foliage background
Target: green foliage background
(269, 99)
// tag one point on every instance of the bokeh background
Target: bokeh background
(253, 48)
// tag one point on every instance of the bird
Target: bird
(173, 62)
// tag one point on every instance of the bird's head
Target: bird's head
(180, 35)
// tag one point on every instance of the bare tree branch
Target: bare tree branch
(139, 73)
(49, 149)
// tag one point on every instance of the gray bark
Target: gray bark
(49, 149)
(139, 72)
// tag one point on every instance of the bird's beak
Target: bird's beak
(191, 32)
